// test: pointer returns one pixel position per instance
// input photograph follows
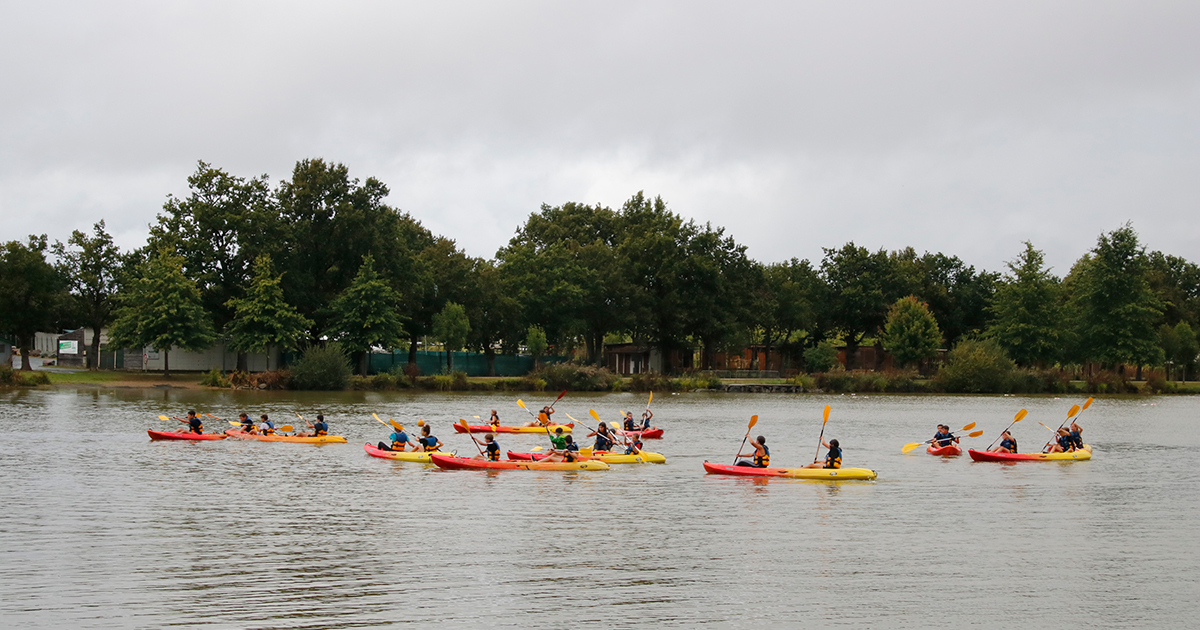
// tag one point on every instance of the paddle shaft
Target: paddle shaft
(1069, 418)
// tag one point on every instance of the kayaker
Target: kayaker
(400, 442)
(1007, 444)
(630, 424)
(943, 437)
(761, 454)
(634, 447)
(558, 441)
(1062, 443)
(268, 427)
(195, 424)
(247, 423)
(833, 459)
(494, 420)
(321, 428)
(604, 439)
(1076, 435)
(569, 452)
(646, 416)
(491, 451)
(543, 418)
(428, 442)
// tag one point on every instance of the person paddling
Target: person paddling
(195, 424)
(1076, 435)
(494, 421)
(399, 442)
(604, 439)
(1063, 443)
(646, 416)
(491, 450)
(943, 437)
(569, 452)
(761, 454)
(428, 442)
(634, 447)
(630, 423)
(543, 418)
(1007, 444)
(268, 427)
(247, 423)
(833, 459)
(558, 441)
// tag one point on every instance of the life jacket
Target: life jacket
(1011, 445)
(399, 441)
(430, 443)
(635, 447)
(269, 430)
(493, 451)
(321, 429)
(196, 425)
(603, 443)
(834, 458)
(1065, 442)
(1077, 439)
(571, 453)
(764, 460)
(942, 439)
(629, 424)
(645, 424)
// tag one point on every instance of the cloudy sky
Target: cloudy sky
(961, 127)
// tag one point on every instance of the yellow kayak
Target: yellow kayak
(986, 456)
(828, 474)
(324, 439)
(402, 456)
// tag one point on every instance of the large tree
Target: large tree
(451, 327)
(492, 310)
(263, 318)
(32, 292)
(1027, 312)
(786, 303)
(1117, 310)
(862, 285)
(92, 267)
(911, 333)
(366, 315)
(162, 308)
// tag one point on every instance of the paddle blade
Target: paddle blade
(536, 448)
(652, 400)
(287, 427)
(753, 421)
(968, 427)
(1088, 403)
(560, 397)
(1020, 415)
(1074, 410)
(163, 418)
(301, 417)
(464, 425)
(826, 415)
(521, 404)
(908, 448)
(975, 433)
(622, 411)
(595, 416)
(572, 418)
(236, 424)
(586, 452)
(1047, 428)
(396, 425)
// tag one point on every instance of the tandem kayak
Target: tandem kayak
(403, 456)
(828, 474)
(953, 450)
(487, 428)
(645, 457)
(450, 462)
(986, 456)
(324, 439)
(171, 435)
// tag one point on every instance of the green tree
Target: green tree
(366, 315)
(451, 327)
(956, 294)
(821, 357)
(535, 342)
(162, 308)
(784, 302)
(492, 310)
(32, 292)
(911, 333)
(1028, 318)
(862, 285)
(1117, 310)
(1187, 346)
(263, 318)
(92, 267)
(1176, 283)
(976, 366)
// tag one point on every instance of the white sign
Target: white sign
(68, 347)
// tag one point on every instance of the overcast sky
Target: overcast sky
(948, 126)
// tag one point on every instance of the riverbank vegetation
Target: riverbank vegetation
(320, 261)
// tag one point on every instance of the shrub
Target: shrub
(804, 380)
(321, 368)
(648, 382)
(1156, 382)
(33, 379)
(214, 378)
(821, 357)
(8, 376)
(976, 366)
(578, 378)
(1109, 382)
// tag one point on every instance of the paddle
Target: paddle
(1020, 415)
(1074, 410)
(596, 416)
(753, 421)
(560, 397)
(545, 423)
(395, 425)
(821, 438)
(466, 426)
(912, 445)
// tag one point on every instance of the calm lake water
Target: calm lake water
(106, 529)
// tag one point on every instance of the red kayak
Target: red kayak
(953, 450)
(171, 435)
(653, 434)
(449, 462)
(487, 428)
(987, 456)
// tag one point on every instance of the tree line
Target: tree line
(321, 257)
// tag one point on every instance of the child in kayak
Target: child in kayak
(494, 420)
(268, 427)
(428, 442)
(630, 423)
(569, 452)
(400, 442)
(761, 454)
(491, 451)
(634, 447)
(943, 437)
(195, 424)
(247, 423)
(557, 441)
(543, 418)
(646, 415)
(1076, 436)
(604, 439)
(1007, 444)
(1063, 443)
(833, 459)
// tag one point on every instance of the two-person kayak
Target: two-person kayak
(183, 435)
(828, 474)
(487, 428)
(950, 450)
(988, 456)
(451, 462)
(644, 457)
(322, 439)
(402, 456)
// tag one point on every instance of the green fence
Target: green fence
(473, 363)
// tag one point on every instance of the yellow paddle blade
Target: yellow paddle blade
(236, 424)
(396, 425)
(212, 416)
(975, 433)
(301, 417)
(907, 448)
(163, 418)
(595, 415)
(753, 421)
(586, 452)
(650, 400)
(536, 448)
(521, 404)
(477, 417)
(1020, 415)
(622, 411)
(287, 427)
(1074, 410)
(826, 414)
(1088, 403)
(464, 425)
(968, 427)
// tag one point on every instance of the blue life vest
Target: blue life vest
(399, 439)
(603, 443)
(430, 443)
(833, 459)
(942, 439)
(196, 425)
(493, 451)
(1011, 445)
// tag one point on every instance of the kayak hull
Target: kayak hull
(952, 450)
(324, 439)
(985, 456)
(827, 474)
(401, 456)
(645, 457)
(487, 428)
(449, 462)
(172, 435)
(652, 434)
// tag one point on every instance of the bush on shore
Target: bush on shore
(321, 368)
(16, 378)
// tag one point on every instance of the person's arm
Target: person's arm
(825, 444)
